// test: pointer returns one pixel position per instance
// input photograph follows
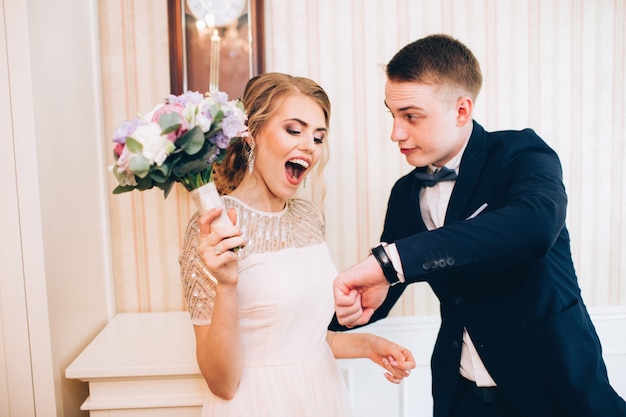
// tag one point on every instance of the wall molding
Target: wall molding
(146, 361)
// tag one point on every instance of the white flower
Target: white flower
(204, 122)
(155, 147)
(195, 117)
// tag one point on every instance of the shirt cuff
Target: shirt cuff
(392, 253)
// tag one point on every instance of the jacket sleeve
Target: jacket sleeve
(521, 181)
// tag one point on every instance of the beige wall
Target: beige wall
(146, 230)
(55, 286)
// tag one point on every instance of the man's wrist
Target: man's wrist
(381, 256)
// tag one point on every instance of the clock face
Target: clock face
(217, 13)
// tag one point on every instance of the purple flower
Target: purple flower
(189, 97)
(213, 154)
(233, 123)
(205, 110)
(125, 129)
(220, 140)
(219, 97)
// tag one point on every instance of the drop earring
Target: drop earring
(250, 155)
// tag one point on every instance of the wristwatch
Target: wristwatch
(380, 254)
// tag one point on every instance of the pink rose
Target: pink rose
(119, 147)
(123, 161)
(172, 108)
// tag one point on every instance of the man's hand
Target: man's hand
(359, 291)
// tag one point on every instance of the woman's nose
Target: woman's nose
(308, 144)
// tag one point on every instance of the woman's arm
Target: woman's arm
(395, 359)
(218, 344)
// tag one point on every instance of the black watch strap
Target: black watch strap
(389, 271)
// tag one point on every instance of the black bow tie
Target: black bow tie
(443, 174)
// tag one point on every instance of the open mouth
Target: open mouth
(295, 168)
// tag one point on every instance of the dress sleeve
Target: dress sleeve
(198, 284)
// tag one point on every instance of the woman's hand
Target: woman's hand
(397, 360)
(215, 243)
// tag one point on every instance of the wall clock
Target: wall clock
(187, 58)
(217, 13)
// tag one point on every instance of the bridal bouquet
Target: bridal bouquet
(177, 141)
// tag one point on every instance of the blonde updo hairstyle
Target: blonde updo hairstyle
(262, 98)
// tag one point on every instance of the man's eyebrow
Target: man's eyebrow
(404, 108)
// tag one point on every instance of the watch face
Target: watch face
(217, 12)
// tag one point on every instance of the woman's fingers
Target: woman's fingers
(205, 220)
(396, 371)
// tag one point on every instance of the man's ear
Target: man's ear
(464, 108)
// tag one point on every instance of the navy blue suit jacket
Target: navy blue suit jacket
(507, 276)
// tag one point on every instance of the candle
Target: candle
(214, 71)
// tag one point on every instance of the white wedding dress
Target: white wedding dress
(285, 305)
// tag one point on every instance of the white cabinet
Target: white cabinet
(142, 364)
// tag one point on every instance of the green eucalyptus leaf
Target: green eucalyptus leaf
(169, 122)
(118, 175)
(191, 167)
(158, 176)
(212, 151)
(182, 140)
(220, 158)
(144, 183)
(133, 145)
(193, 141)
(216, 112)
(167, 187)
(139, 165)
(173, 160)
(165, 168)
(123, 189)
(213, 131)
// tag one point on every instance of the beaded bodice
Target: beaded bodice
(299, 225)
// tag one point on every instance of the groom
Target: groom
(482, 220)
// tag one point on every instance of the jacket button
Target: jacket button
(442, 263)
(458, 301)
(434, 264)
(450, 260)
(426, 265)
(454, 344)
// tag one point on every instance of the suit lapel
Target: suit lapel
(472, 163)
(417, 185)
